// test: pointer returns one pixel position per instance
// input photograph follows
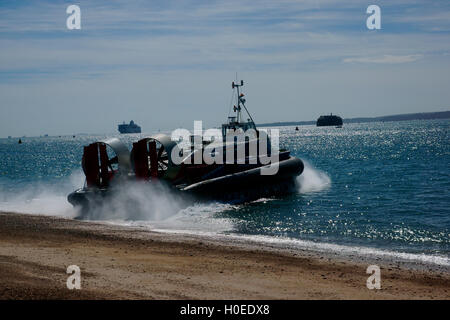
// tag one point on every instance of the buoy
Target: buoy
(20, 141)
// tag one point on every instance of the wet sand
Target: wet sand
(133, 263)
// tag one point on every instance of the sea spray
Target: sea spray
(134, 203)
(156, 206)
(42, 198)
(312, 179)
(200, 216)
(137, 201)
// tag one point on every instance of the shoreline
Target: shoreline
(122, 262)
(292, 246)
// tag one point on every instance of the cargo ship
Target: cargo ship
(129, 128)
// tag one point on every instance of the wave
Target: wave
(333, 250)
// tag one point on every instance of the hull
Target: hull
(250, 184)
(238, 187)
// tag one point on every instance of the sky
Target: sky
(167, 63)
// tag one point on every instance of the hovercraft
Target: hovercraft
(254, 170)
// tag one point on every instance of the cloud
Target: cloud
(130, 58)
(202, 35)
(387, 59)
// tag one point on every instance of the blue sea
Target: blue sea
(382, 188)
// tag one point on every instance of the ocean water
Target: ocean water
(380, 187)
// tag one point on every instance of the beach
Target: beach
(120, 262)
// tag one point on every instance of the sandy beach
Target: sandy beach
(132, 263)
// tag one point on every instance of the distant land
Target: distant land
(396, 117)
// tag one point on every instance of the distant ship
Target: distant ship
(129, 128)
(331, 120)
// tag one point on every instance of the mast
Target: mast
(239, 101)
(238, 108)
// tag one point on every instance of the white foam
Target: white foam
(312, 179)
(351, 250)
(196, 218)
(322, 247)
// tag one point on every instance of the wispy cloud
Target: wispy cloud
(385, 59)
(175, 34)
